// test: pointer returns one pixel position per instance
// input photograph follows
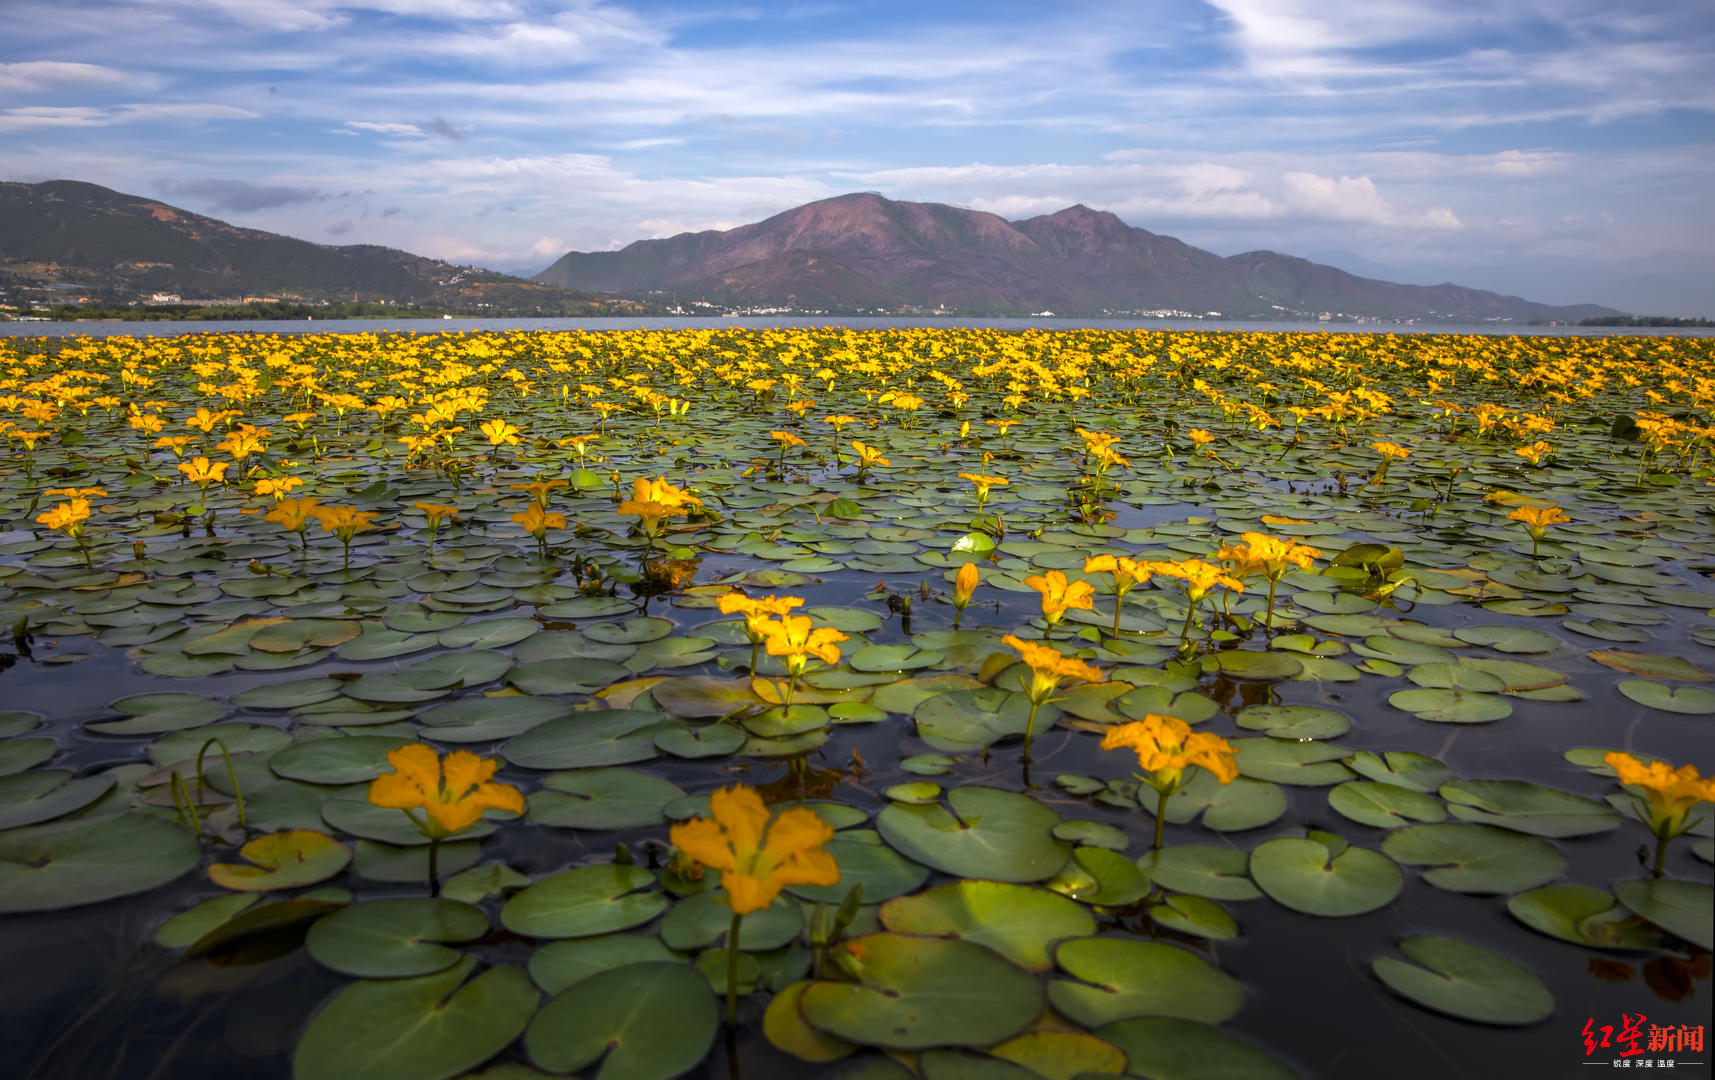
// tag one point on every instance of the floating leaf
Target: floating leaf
(1583, 916)
(1306, 875)
(388, 939)
(560, 964)
(1686, 700)
(1528, 808)
(585, 740)
(1174, 1049)
(1475, 858)
(602, 799)
(85, 861)
(584, 901)
(1384, 805)
(1215, 872)
(1686, 908)
(1019, 922)
(988, 833)
(283, 860)
(1121, 979)
(1464, 980)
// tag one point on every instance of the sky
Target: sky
(1562, 150)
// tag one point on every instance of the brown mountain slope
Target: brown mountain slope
(875, 252)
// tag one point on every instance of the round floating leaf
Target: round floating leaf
(287, 695)
(377, 861)
(649, 1021)
(1528, 808)
(587, 607)
(1652, 665)
(1164, 1048)
(1017, 921)
(703, 919)
(1246, 664)
(187, 926)
(1306, 875)
(283, 860)
(1295, 722)
(602, 799)
(584, 901)
(989, 833)
(559, 964)
(344, 760)
(864, 860)
(1464, 980)
(29, 798)
(580, 676)
(1195, 916)
(1384, 805)
(1509, 639)
(973, 719)
(1122, 979)
(1232, 807)
(912, 993)
(633, 631)
(350, 811)
(390, 939)
(17, 755)
(1452, 706)
(710, 740)
(1686, 908)
(1311, 764)
(784, 1026)
(1475, 858)
(482, 719)
(1218, 873)
(151, 714)
(585, 740)
(1583, 916)
(72, 863)
(1686, 700)
(1401, 768)
(1062, 1055)
(701, 697)
(427, 1028)
(1101, 878)
(489, 633)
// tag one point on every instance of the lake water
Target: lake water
(437, 326)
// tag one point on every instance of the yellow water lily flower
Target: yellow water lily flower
(345, 522)
(1166, 749)
(984, 484)
(1060, 595)
(1536, 520)
(1270, 558)
(1127, 573)
(1049, 667)
(868, 456)
(1668, 795)
(756, 612)
(1196, 578)
(200, 470)
(452, 795)
(66, 517)
(500, 433)
(964, 584)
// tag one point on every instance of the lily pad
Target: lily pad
(1166, 1048)
(1685, 700)
(428, 1028)
(1528, 808)
(1122, 979)
(1476, 858)
(283, 860)
(1305, 874)
(988, 833)
(1218, 873)
(1453, 706)
(1583, 916)
(389, 939)
(1685, 908)
(602, 799)
(1465, 980)
(560, 964)
(85, 861)
(864, 860)
(1384, 805)
(912, 993)
(1020, 922)
(585, 740)
(1310, 764)
(584, 901)
(974, 719)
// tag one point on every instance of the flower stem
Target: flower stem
(1160, 816)
(1185, 631)
(1660, 853)
(434, 866)
(1029, 729)
(732, 971)
(1268, 616)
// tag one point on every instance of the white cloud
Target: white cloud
(411, 130)
(1355, 198)
(40, 76)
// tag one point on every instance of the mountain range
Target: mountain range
(852, 253)
(863, 251)
(120, 248)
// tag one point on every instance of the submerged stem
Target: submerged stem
(732, 971)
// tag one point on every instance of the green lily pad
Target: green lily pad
(428, 1028)
(1306, 875)
(1453, 706)
(1652, 665)
(988, 833)
(345, 760)
(1528, 808)
(389, 939)
(485, 719)
(618, 1017)
(783, 1023)
(85, 861)
(585, 740)
(569, 676)
(1476, 858)
(30, 798)
(584, 901)
(1401, 768)
(912, 993)
(1384, 805)
(1685, 908)
(151, 714)
(974, 719)
(1233, 807)
(1583, 916)
(1101, 878)
(1247, 664)
(1020, 922)
(1061, 1055)
(709, 740)
(602, 799)
(17, 755)
(1296, 722)
(1509, 639)
(559, 964)
(1166, 1048)
(1310, 764)
(350, 811)
(1195, 916)
(1464, 980)
(187, 926)
(1122, 979)
(1218, 873)
(283, 860)
(702, 920)
(1685, 700)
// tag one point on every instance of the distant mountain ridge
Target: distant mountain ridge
(866, 251)
(123, 247)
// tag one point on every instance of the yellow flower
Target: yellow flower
(1166, 746)
(868, 455)
(984, 483)
(1535, 452)
(1670, 793)
(756, 858)
(1200, 437)
(437, 513)
(653, 500)
(786, 439)
(756, 611)
(1060, 596)
(293, 515)
(278, 487)
(839, 421)
(964, 584)
(344, 522)
(452, 796)
(1391, 451)
(1198, 577)
(200, 470)
(67, 517)
(1128, 573)
(537, 521)
(791, 639)
(1048, 668)
(1537, 519)
(1269, 556)
(500, 433)
(538, 490)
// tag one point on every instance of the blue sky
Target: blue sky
(1562, 150)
